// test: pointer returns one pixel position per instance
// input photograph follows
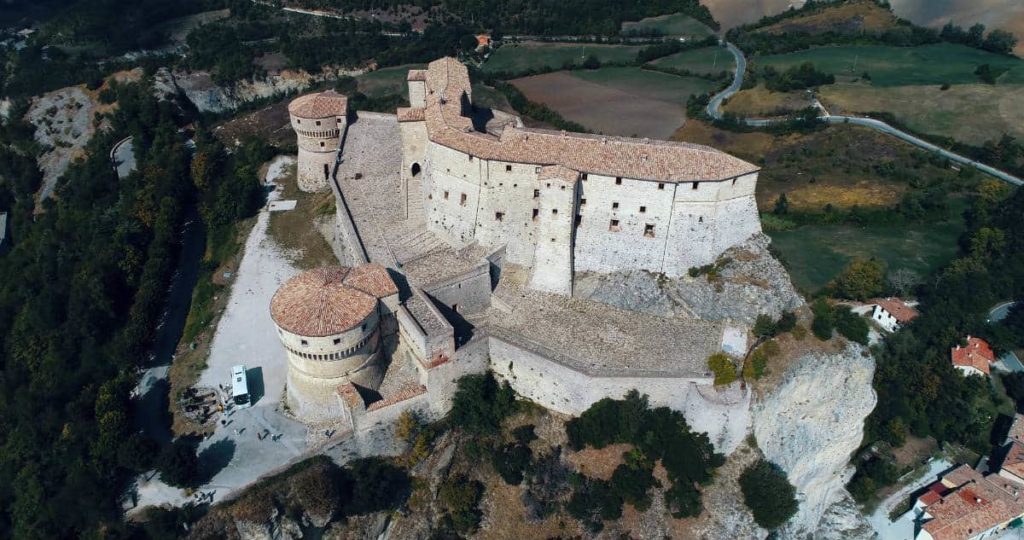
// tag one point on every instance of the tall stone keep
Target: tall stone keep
(319, 121)
(332, 322)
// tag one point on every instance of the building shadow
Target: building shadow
(254, 379)
(214, 458)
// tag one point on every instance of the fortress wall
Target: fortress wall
(472, 358)
(557, 387)
(314, 168)
(510, 192)
(414, 146)
(470, 291)
(601, 249)
(553, 264)
(350, 248)
(454, 190)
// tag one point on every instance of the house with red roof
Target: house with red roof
(966, 505)
(974, 359)
(892, 313)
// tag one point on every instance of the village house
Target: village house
(966, 505)
(974, 359)
(892, 313)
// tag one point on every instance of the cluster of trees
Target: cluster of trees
(795, 78)
(997, 41)
(659, 434)
(918, 390)
(660, 50)
(839, 318)
(80, 296)
(541, 17)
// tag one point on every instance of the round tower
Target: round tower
(319, 121)
(329, 321)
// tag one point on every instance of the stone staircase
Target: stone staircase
(411, 239)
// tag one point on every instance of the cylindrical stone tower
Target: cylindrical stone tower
(319, 121)
(329, 321)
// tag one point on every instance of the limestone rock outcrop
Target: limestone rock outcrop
(200, 88)
(748, 281)
(810, 425)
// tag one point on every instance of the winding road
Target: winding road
(714, 110)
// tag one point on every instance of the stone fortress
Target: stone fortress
(462, 233)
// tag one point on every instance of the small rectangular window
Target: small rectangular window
(661, 186)
(554, 211)
(508, 168)
(584, 176)
(618, 180)
(337, 340)
(304, 342)
(536, 193)
(318, 122)
(499, 216)
(446, 195)
(536, 213)
(649, 230)
(643, 209)
(613, 226)
(695, 184)
(471, 158)
(462, 199)
(583, 202)
(579, 220)
(615, 206)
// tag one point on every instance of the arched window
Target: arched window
(415, 169)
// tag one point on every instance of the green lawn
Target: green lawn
(815, 254)
(648, 84)
(386, 81)
(708, 60)
(676, 24)
(519, 57)
(898, 66)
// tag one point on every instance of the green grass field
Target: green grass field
(676, 24)
(386, 81)
(709, 60)
(898, 66)
(519, 57)
(649, 84)
(815, 254)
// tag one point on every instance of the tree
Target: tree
(721, 365)
(768, 494)
(177, 463)
(903, 281)
(850, 325)
(591, 62)
(480, 404)
(764, 326)
(824, 321)
(460, 497)
(1000, 41)
(860, 280)
(781, 205)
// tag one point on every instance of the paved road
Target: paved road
(714, 110)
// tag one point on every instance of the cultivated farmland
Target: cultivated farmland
(941, 63)
(522, 57)
(706, 60)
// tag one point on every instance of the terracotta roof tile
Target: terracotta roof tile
(897, 308)
(977, 505)
(410, 114)
(558, 172)
(449, 91)
(416, 75)
(330, 300)
(327, 104)
(1014, 460)
(977, 354)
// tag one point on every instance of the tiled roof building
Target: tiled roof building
(975, 358)
(965, 505)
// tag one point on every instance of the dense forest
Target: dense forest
(81, 291)
(547, 17)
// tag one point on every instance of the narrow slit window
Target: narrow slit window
(579, 220)
(446, 195)
(536, 213)
(462, 199)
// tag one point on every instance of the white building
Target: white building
(892, 313)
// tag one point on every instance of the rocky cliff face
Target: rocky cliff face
(207, 96)
(810, 425)
(747, 282)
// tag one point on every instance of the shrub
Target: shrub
(768, 494)
(460, 497)
(511, 461)
(786, 323)
(377, 485)
(593, 503)
(799, 332)
(481, 404)
(850, 325)
(723, 368)
(764, 326)
(633, 479)
(755, 365)
(770, 349)
(823, 319)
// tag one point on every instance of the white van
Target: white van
(239, 387)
